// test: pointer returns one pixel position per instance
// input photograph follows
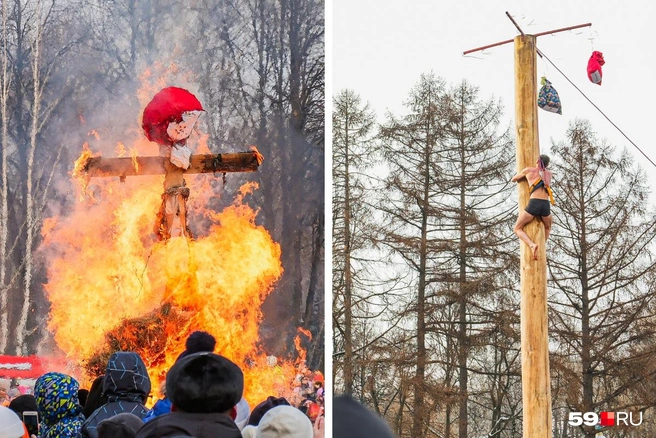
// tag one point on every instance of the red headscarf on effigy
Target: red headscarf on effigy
(167, 106)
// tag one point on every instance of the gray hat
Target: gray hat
(10, 425)
(284, 421)
(123, 425)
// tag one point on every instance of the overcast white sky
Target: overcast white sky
(380, 48)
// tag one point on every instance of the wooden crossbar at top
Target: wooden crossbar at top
(562, 29)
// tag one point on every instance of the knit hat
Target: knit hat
(248, 431)
(261, 409)
(11, 425)
(22, 403)
(204, 382)
(123, 425)
(284, 421)
(196, 342)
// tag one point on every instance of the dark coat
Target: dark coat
(352, 420)
(95, 398)
(204, 425)
(126, 386)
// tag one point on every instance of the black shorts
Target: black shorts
(538, 207)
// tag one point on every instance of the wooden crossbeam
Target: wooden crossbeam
(202, 163)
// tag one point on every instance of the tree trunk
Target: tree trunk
(586, 362)
(462, 307)
(4, 214)
(348, 282)
(420, 422)
(315, 267)
(264, 45)
(30, 229)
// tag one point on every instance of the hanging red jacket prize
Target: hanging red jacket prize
(594, 67)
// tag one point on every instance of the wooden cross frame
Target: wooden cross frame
(536, 389)
(172, 217)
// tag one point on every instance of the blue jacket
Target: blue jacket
(126, 386)
(162, 407)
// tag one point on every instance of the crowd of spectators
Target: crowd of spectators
(202, 398)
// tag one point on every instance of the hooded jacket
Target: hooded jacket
(201, 425)
(58, 406)
(126, 386)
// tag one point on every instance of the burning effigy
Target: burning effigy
(125, 272)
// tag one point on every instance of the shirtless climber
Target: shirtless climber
(539, 181)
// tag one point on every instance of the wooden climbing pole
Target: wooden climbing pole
(536, 387)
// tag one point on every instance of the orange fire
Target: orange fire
(105, 267)
(79, 168)
(258, 155)
(302, 353)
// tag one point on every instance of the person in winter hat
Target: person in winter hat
(352, 420)
(57, 405)
(96, 398)
(265, 406)
(22, 403)
(204, 389)
(285, 422)
(11, 425)
(196, 342)
(123, 425)
(126, 386)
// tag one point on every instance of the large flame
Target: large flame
(109, 277)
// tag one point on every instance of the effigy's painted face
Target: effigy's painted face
(178, 131)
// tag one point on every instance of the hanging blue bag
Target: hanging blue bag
(548, 98)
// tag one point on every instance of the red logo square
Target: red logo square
(608, 419)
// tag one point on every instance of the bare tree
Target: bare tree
(410, 147)
(5, 82)
(29, 199)
(32, 105)
(447, 216)
(475, 161)
(353, 125)
(601, 272)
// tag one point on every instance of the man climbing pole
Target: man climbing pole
(539, 180)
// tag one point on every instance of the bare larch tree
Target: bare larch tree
(601, 268)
